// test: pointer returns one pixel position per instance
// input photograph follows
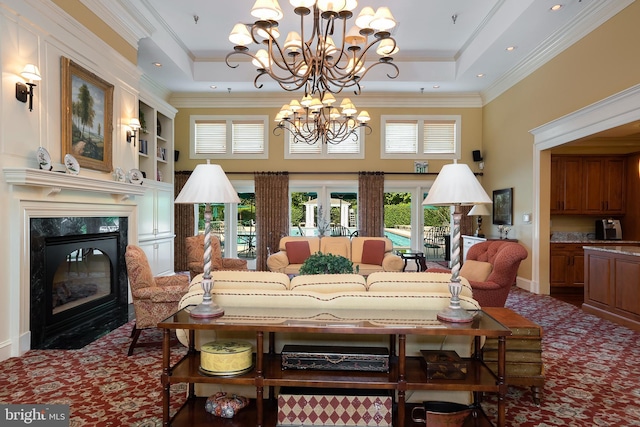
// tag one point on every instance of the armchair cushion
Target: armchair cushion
(297, 252)
(373, 252)
(477, 271)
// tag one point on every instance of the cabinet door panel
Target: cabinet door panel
(599, 280)
(164, 211)
(577, 273)
(593, 201)
(614, 186)
(559, 263)
(146, 214)
(627, 295)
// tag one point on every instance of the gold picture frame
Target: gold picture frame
(87, 117)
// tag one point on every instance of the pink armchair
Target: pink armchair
(195, 256)
(505, 258)
(154, 298)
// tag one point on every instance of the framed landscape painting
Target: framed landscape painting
(87, 117)
(503, 206)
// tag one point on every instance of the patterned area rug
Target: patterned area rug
(591, 367)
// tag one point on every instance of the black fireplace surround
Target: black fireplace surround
(52, 239)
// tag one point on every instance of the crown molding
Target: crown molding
(369, 100)
(594, 15)
(123, 17)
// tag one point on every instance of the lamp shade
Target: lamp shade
(480, 210)
(134, 124)
(208, 184)
(456, 185)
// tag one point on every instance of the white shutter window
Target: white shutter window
(228, 137)
(210, 137)
(401, 137)
(247, 137)
(351, 145)
(439, 137)
(420, 137)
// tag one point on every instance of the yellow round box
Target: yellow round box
(226, 358)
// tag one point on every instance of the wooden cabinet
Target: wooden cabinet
(612, 285)
(566, 185)
(566, 265)
(588, 185)
(604, 186)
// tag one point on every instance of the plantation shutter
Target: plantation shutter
(247, 137)
(401, 137)
(210, 137)
(439, 137)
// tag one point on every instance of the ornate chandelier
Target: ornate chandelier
(313, 120)
(317, 63)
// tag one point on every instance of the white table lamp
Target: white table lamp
(456, 185)
(207, 184)
(480, 211)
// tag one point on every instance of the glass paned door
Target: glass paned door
(246, 237)
(343, 215)
(304, 213)
(397, 219)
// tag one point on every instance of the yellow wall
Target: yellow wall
(82, 14)
(601, 64)
(471, 132)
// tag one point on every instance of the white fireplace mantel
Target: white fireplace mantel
(54, 182)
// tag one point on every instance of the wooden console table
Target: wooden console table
(405, 373)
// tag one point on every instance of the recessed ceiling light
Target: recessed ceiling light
(480, 75)
(157, 64)
(436, 86)
(213, 87)
(511, 48)
(556, 7)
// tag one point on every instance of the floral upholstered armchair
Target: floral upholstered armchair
(154, 298)
(195, 256)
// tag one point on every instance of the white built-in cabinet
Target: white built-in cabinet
(156, 207)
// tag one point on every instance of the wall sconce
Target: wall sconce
(31, 73)
(134, 124)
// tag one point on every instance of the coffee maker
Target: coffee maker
(608, 229)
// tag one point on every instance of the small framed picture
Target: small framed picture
(503, 206)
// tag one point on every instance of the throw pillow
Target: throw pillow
(373, 252)
(297, 252)
(476, 271)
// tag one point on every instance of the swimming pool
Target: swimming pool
(398, 240)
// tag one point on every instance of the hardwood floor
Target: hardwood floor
(573, 296)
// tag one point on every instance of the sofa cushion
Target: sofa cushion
(257, 280)
(357, 247)
(328, 283)
(297, 252)
(336, 246)
(387, 281)
(476, 271)
(373, 252)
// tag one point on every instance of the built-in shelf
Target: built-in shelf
(54, 182)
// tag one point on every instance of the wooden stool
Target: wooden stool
(524, 365)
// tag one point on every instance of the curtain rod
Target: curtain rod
(347, 173)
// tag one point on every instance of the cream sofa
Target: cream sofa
(349, 248)
(310, 297)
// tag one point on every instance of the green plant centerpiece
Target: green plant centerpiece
(319, 263)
